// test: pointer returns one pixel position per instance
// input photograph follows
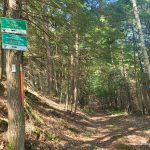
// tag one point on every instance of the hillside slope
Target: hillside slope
(49, 127)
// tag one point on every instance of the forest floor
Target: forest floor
(49, 127)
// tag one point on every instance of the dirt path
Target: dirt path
(50, 128)
(96, 132)
(117, 132)
(103, 132)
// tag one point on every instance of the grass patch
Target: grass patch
(90, 111)
(117, 113)
(34, 114)
(48, 136)
(51, 136)
(37, 132)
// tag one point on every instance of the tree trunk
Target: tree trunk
(72, 80)
(3, 53)
(48, 51)
(49, 68)
(68, 95)
(16, 124)
(143, 47)
(3, 65)
(61, 76)
(76, 65)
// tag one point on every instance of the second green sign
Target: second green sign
(12, 41)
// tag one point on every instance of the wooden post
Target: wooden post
(16, 123)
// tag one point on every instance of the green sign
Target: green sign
(16, 26)
(16, 42)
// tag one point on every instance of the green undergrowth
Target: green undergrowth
(89, 110)
(32, 112)
(117, 113)
(37, 133)
(114, 128)
(48, 135)
(51, 136)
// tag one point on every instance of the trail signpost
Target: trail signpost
(16, 117)
(16, 26)
(14, 37)
(12, 41)
(14, 33)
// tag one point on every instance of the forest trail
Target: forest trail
(49, 127)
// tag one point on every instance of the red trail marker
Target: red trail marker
(21, 85)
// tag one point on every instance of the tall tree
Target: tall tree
(2, 53)
(141, 35)
(16, 124)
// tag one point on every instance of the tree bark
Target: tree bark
(76, 65)
(16, 124)
(48, 51)
(141, 35)
(3, 54)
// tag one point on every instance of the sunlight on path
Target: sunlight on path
(117, 132)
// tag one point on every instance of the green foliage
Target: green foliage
(107, 56)
(117, 113)
(107, 60)
(89, 110)
(37, 132)
(51, 136)
(115, 128)
(32, 112)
